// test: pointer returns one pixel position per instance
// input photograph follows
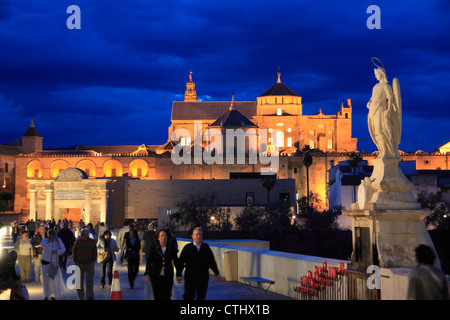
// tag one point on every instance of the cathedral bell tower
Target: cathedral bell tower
(190, 95)
(31, 139)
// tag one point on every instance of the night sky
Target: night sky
(113, 81)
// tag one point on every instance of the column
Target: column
(33, 204)
(48, 204)
(103, 205)
(87, 206)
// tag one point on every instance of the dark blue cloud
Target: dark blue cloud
(113, 81)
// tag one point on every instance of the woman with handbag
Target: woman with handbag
(133, 246)
(52, 280)
(106, 255)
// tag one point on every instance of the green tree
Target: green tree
(355, 159)
(307, 162)
(221, 219)
(3, 207)
(304, 203)
(439, 217)
(5, 198)
(202, 211)
(250, 219)
(276, 226)
(268, 182)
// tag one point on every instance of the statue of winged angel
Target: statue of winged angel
(385, 114)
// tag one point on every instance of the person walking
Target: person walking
(81, 225)
(31, 226)
(140, 234)
(101, 229)
(84, 256)
(159, 268)
(133, 246)
(25, 253)
(197, 258)
(15, 232)
(121, 234)
(8, 276)
(91, 229)
(68, 238)
(106, 249)
(53, 284)
(425, 281)
(39, 250)
(148, 240)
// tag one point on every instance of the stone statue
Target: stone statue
(386, 205)
(385, 114)
(387, 186)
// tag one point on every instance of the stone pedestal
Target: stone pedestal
(392, 237)
(387, 222)
(388, 188)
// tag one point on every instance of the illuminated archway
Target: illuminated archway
(87, 166)
(34, 169)
(112, 168)
(139, 168)
(57, 166)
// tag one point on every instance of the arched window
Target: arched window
(280, 139)
(34, 169)
(87, 166)
(279, 112)
(139, 168)
(57, 166)
(112, 168)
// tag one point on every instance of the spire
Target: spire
(232, 107)
(32, 131)
(279, 75)
(190, 95)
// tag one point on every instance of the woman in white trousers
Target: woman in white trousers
(53, 248)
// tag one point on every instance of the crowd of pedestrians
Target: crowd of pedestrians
(48, 245)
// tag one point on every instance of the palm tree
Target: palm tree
(307, 162)
(268, 182)
(354, 161)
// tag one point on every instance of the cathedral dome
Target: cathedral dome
(279, 89)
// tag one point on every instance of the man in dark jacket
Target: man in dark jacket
(149, 240)
(197, 258)
(68, 238)
(84, 255)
